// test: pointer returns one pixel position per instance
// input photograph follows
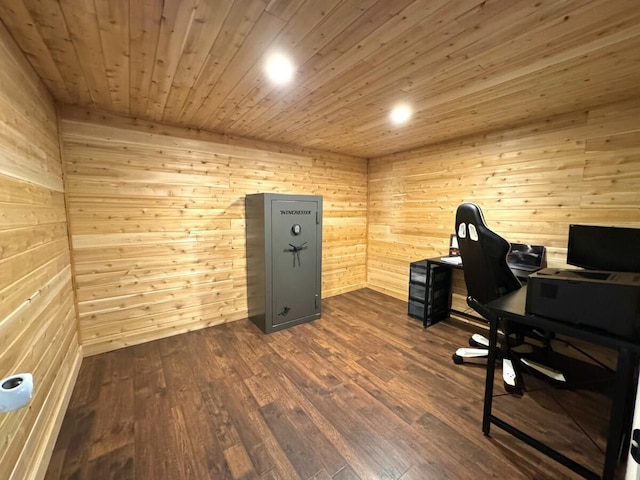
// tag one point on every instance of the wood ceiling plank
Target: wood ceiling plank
(542, 83)
(424, 51)
(311, 126)
(113, 22)
(392, 39)
(253, 48)
(270, 121)
(471, 33)
(23, 28)
(82, 22)
(144, 28)
(392, 30)
(324, 26)
(245, 124)
(243, 97)
(207, 24)
(466, 65)
(529, 16)
(373, 19)
(461, 121)
(284, 9)
(527, 71)
(237, 26)
(333, 24)
(379, 15)
(564, 37)
(374, 89)
(177, 19)
(53, 28)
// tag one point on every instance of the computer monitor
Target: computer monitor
(604, 248)
(527, 257)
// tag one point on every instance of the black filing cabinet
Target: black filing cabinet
(429, 291)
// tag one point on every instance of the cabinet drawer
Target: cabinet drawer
(418, 276)
(416, 310)
(417, 292)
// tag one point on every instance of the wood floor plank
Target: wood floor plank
(290, 391)
(311, 436)
(154, 453)
(75, 436)
(363, 393)
(259, 386)
(117, 464)
(247, 420)
(239, 462)
(346, 473)
(112, 433)
(87, 387)
(299, 452)
(230, 354)
(351, 426)
(197, 439)
(219, 417)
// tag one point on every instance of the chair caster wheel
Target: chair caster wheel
(457, 359)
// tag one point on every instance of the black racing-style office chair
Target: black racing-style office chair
(487, 277)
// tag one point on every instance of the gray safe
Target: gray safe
(284, 259)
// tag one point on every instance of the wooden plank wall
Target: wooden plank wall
(531, 181)
(157, 222)
(38, 331)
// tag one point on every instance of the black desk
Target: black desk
(511, 307)
(520, 274)
(430, 288)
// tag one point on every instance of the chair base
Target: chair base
(512, 379)
(513, 364)
(470, 355)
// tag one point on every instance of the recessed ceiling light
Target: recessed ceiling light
(279, 68)
(400, 113)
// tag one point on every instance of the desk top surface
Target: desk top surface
(512, 307)
(521, 274)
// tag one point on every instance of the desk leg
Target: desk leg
(622, 389)
(491, 368)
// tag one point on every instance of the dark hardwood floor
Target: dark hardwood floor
(363, 393)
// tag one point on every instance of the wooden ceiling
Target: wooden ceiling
(466, 66)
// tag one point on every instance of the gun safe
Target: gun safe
(284, 259)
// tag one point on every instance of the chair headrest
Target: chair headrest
(469, 219)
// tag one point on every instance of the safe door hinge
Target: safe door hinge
(317, 218)
(315, 300)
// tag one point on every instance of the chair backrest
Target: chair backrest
(484, 256)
